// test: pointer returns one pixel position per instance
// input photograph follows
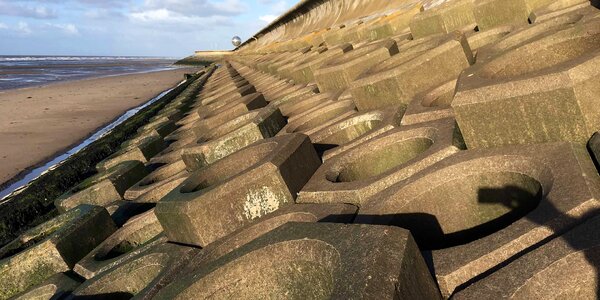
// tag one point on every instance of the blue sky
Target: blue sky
(173, 28)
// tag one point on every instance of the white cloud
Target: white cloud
(23, 28)
(68, 29)
(198, 8)
(166, 17)
(3, 26)
(30, 11)
(268, 18)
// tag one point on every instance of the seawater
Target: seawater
(25, 71)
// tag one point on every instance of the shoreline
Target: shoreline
(9, 176)
(4, 193)
(92, 76)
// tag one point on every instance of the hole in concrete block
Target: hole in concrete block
(229, 126)
(350, 131)
(381, 159)
(162, 173)
(273, 271)
(545, 53)
(229, 167)
(467, 208)
(440, 97)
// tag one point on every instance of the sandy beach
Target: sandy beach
(39, 122)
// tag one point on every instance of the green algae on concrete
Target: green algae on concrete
(52, 247)
(104, 188)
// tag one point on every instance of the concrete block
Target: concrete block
(158, 183)
(315, 260)
(393, 24)
(103, 188)
(433, 105)
(140, 272)
(122, 244)
(319, 117)
(303, 70)
(491, 13)
(242, 187)
(339, 72)
(445, 18)
(363, 171)
(354, 130)
(508, 200)
(567, 267)
(557, 8)
(141, 151)
(232, 136)
(219, 113)
(55, 287)
(52, 247)
(542, 91)
(421, 66)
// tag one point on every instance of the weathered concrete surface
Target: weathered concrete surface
(244, 186)
(566, 266)
(51, 248)
(308, 260)
(421, 66)
(361, 172)
(508, 200)
(123, 243)
(541, 91)
(103, 188)
(55, 287)
(136, 274)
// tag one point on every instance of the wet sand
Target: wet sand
(38, 123)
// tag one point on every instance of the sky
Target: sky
(166, 28)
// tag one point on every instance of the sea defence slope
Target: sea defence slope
(352, 150)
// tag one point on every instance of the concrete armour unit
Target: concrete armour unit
(361, 172)
(445, 18)
(566, 267)
(491, 13)
(318, 117)
(558, 8)
(52, 247)
(355, 129)
(420, 66)
(330, 213)
(158, 183)
(141, 151)
(433, 105)
(315, 261)
(393, 24)
(301, 105)
(234, 107)
(303, 70)
(508, 199)
(339, 72)
(131, 277)
(238, 92)
(162, 127)
(120, 245)
(219, 113)
(103, 188)
(542, 91)
(233, 136)
(55, 287)
(291, 213)
(242, 187)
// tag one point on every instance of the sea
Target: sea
(29, 70)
